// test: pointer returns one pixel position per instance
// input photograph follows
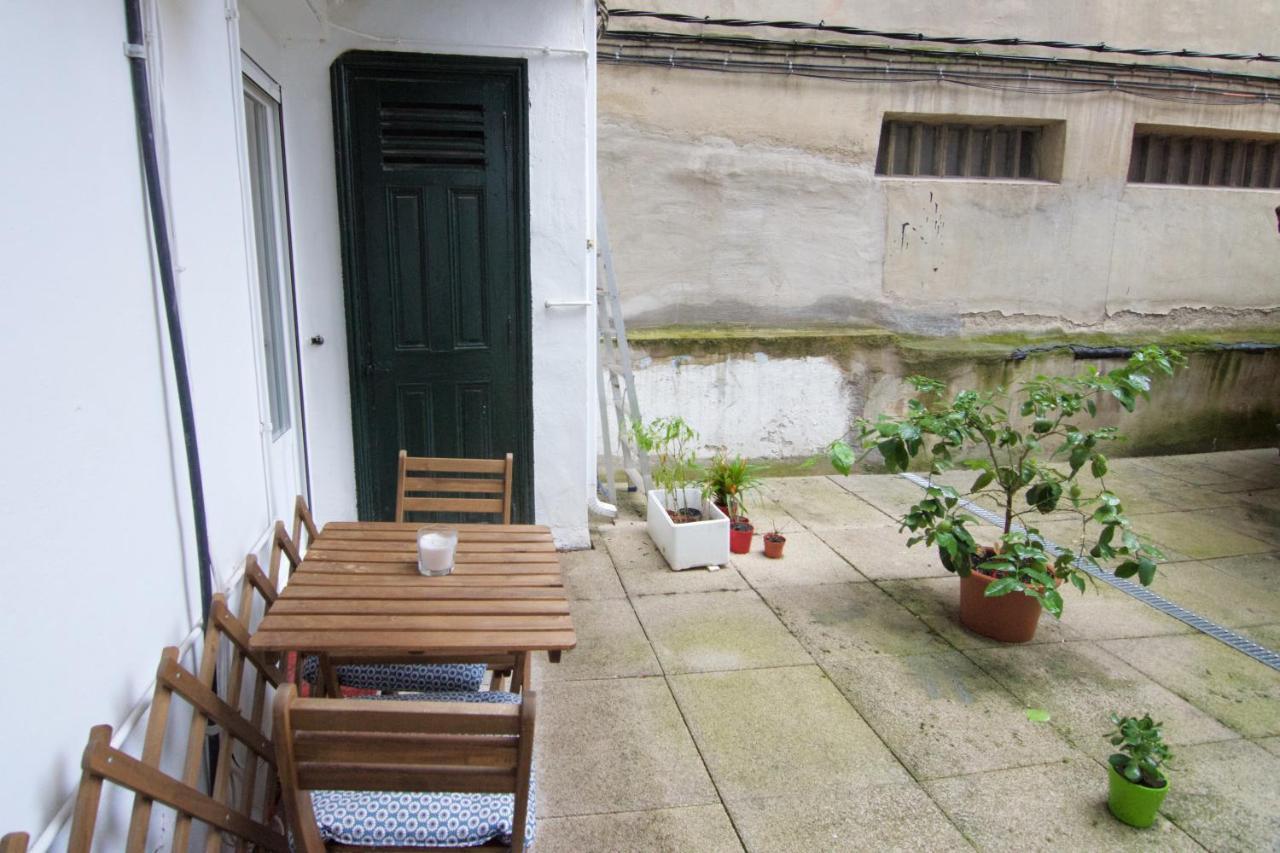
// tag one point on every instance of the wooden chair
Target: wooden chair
(407, 752)
(104, 763)
(243, 742)
(302, 520)
(418, 477)
(14, 842)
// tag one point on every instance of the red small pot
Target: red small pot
(740, 533)
(773, 543)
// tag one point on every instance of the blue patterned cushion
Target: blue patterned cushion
(415, 677)
(386, 819)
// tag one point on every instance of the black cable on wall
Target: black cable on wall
(136, 51)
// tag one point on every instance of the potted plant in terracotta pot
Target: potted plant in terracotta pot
(728, 483)
(688, 529)
(1032, 451)
(1138, 782)
(773, 544)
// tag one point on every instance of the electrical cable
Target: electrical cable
(1044, 84)
(136, 53)
(1013, 41)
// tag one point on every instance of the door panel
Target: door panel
(432, 166)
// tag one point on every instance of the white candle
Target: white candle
(435, 551)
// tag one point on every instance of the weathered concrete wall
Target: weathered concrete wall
(782, 396)
(737, 198)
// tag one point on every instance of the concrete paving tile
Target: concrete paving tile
(1080, 684)
(1270, 744)
(1197, 535)
(1102, 612)
(936, 602)
(704, 632)
(590, 574)
(644, 572)
(1232, 687)
(1060, 806)
(1264, 635)
(767, 513)
(1219, 596)
(781, 732)
(820, 504)
(1252, 519)
(849, 621)
(940, 714)
(1255, 568)
(1226, 795)
(1267, 498)
(889, 493)
(611, 644)
(879, 817)
(1187, 468)
(608, 746)
(702, 828)
(881, 553)
(1260, 466)
(806, 559)
(1146, 491)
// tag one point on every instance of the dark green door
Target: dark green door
(432, 165)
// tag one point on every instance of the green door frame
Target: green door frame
(346, 70)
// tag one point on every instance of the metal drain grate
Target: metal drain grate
(1241, 644)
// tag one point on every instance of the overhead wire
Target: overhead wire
(855, 63)
(1009, 41)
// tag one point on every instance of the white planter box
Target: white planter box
(696, 543)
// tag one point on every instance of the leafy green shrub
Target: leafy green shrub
(1142, 750)
(670, 441)
(729, 481)
(1024, 442)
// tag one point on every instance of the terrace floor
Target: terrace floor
(831, 700)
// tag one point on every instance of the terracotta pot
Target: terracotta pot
(1008, 618)
(773, 543)
(740, 533)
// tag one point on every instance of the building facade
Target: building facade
(768, 185)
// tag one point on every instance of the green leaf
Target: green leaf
(1037, 715)
(984, 480)
(1146, 571)
(1099, 466)
(1077, 581)
(1052, 602)
(842, 457)
(1004, 586)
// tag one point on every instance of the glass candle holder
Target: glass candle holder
(436, 548)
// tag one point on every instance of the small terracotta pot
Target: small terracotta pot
(740, 533)
(1008, 618)
(773, 543)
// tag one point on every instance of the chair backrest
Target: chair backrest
(481, 486)
(104, 763)
(282, 546)
(14, 842)
(462, 747)
(302, 519)
(244, 740)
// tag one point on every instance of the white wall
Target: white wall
(98, 559)
(298, 50)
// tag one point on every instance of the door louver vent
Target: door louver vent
(414, 136)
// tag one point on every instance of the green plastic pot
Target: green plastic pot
(1134, 804)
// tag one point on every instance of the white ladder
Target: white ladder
(615, 370)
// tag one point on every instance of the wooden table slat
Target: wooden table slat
(400, 545)
(318, 554)
(479, 592)
(381, 607)
(357, 572)
(390, 622)
(482, 576)
(396, 642)
(410, 526)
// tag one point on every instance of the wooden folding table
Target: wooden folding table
(358, 596)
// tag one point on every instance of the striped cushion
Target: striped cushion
(387, 819)
(414, 677)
